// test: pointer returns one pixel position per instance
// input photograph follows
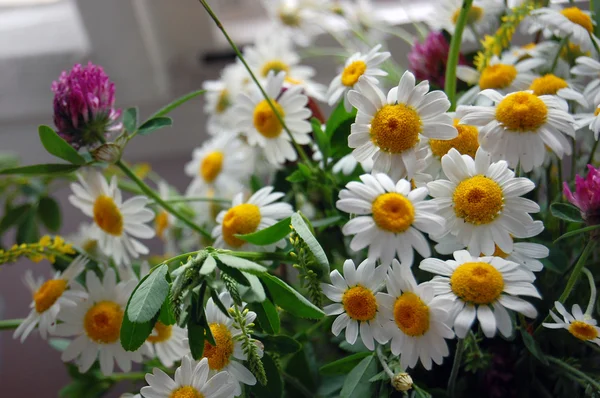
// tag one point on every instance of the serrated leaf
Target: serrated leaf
(533, 347)
(241, 264)
(289, 299)
(49, 213)
(270, 235)
(344, 365)
(58, 147)
(274, 386)
(303, 230)
(41, 169)
(177, 103)
(147, 300)
(267, 316)
(566, 211)
(154, 124)
(167, 315)
(280, 344)
(357, 383)
(208, 266)
(253, 293)
(133, 335)
(130, 119)
(234, 273)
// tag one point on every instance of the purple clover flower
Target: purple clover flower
(428, 60)
(83, 105)
(587, 195)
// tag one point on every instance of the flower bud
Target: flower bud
(402, 382)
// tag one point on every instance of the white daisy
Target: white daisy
(578, 25)
(477, 283)
(388, 130)
(96, 323)
(356, 302)
(191, 381)
(356, 66)
(589, 68)
(86, 242)
(503, 75)
(228, 354)
(589, 120)
(258, 121)
(391, 218)
(520, 126)
(255, 214)
(482, 203)
(416, 321)
(580, 325)
(49, 297)
(550, 84)
(220, 165)
(481, 19)
(116, 223)
(295, 19)
(347, 164)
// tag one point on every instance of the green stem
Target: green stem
(127, 376)
(592, 302)
(574, 371)
(592, 153)
(562, 43)
(196, 199)
(460, 348)
(297, 385)
(455, 43)
(259, 256)
(9, 324)
(237, 51)
(153, 195)
(383, 363)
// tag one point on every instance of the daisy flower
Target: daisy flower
(391, 218)
(164, 221)
(417, 321)
(262, 127)
(348, 163)
(258, 212)
(86, 242)
(356, 66)
(476, 285)
(228, 354)
(96, 324)
(294, 19)
(580, 325)
(220, 165)
(117, 224)
(503, 75)
(48, 299)
(481, 19)
(589, 120)
(578, 25)
(482, 203)
(388, 130)
(191, 381)
(356, 303)
(519, 127)
(550, 84)
(589, 67)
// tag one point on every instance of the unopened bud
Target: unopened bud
(402, 382)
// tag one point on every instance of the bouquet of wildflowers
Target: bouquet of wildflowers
(436, 235)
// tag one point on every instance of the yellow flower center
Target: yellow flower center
(161, 334)
(477, 283)
(474, 15)
(241, 219)
(578, 17)
(582, 330)
(90, 245)
(411, 314)
(522, 112)
(108, 216)
(211, 166)
(48, 293)
(497, 76)
(353, 72)
(289, 17)
(396, 128)
(547, 85)
(265, 120)
(597, 112)
(275, 66)
(186, 392)
(572, 51)
(218, 356)
(498, 253)
(478, 200)
(529, 46)
(102, 322)
(393, 212)
(360, 303)
(291, 80)
(161, 223)
(466, 142)
(223, 102)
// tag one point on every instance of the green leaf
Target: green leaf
(338, 130)
(41, 169)
(533, 347)
(253, 293)
(325, 222)
(14, 216)
(208, 266)
(357, 383)
(321, 138)
(178, 102)
(296, 176)
(154, 124)
(255, 183)
(59, 344)
(280, 344)
(215, 296)
(58, 147)
(166, 315)
(146, 301)
(27, 231)
(198, 329)
(241, 264)
(270, 235)
(274, 386)
(566, 211)
(49, 213)
(303, 230)
(344, 365)
(304, 169)
(234, 273)
(289, 299)
(267, 316)
(133, 335)
(577, 232)
(130, 119)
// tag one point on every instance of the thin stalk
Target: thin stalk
(9, 324)
(127, 376)
(573, 160)
(153, 195)
(592, 302)
(297, 385)
(561, 45)
(196, 199)
(592, 153)
(574, 371)
(460, 348)
(259, 256)
(237, 51)
(455, 43)
(383, 363)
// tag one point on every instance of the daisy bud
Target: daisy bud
(402, 382)
(83, 105)
(587, 195)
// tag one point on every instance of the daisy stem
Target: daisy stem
(575, 372)
(460, 348)
(592, 153)
(154, 196)
(127, 376)
(9, 324)
(297, 385)
(237, 51)
(561, 45)
(592, 302)
(383, 362)
(260, 256)
(196, 199)
(450, 87)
